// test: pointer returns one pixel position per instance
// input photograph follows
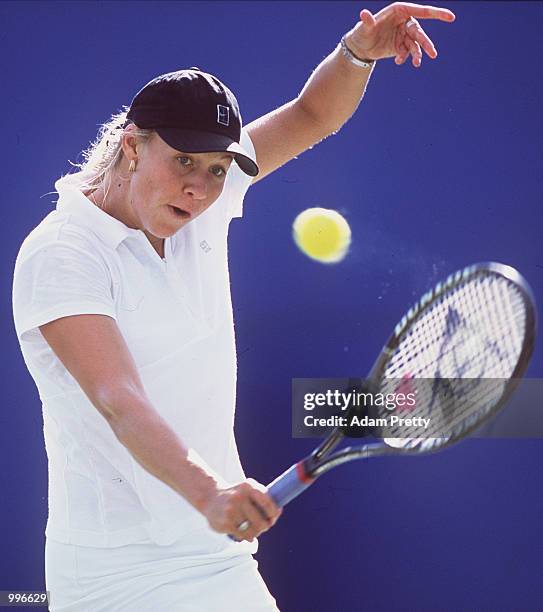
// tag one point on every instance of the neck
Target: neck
(115, 202)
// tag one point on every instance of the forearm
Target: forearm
(334, 90)
(159, 450)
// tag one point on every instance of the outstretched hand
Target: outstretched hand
(395, 32)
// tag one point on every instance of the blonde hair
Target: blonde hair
(104, 154)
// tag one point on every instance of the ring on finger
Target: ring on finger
(410, 22)
(244, 525)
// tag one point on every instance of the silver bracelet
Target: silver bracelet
(352, 57)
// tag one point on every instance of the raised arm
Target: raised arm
(93, 350)
(334, 90)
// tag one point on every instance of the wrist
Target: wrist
(205, 494)
(353, 55)
(202, 486)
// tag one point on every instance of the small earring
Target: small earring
(132, 166)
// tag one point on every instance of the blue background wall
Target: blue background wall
(440, 167)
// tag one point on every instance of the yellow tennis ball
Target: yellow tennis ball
(322, 234)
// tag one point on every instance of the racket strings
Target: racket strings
(474, 331)
(450, 414)
(464, 328)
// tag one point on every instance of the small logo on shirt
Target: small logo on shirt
(205, 246)
(223, 115)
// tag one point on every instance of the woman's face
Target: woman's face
(169, 188)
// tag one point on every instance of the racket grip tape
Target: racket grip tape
(287, 486)
(290, 484)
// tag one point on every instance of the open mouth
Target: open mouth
(181, 214)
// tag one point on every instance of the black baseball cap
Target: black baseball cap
(193, 112)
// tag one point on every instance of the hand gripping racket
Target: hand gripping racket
(478, 328)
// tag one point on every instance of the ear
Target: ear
(130, 145)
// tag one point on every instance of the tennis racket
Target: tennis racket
(476, 328)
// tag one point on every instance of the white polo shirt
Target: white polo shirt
(175, 314)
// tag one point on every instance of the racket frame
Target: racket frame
(301, 475)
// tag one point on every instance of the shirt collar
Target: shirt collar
(71, 200)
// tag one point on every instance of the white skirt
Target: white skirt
(201, 572)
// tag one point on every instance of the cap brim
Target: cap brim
(192, 141)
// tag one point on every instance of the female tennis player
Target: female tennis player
(122, 309)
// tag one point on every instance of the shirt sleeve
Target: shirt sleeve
(238, 181)
(59, 280)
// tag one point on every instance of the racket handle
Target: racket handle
(287, 486)
(290, 484)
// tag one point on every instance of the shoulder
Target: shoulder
(58, 228)
(58, 235)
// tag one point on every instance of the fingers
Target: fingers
(367, 18)
(416, 39)
(405, 46)
(258, 521)
(264, 502)
(246, 505)
(426, 12)
(417, 34)
(258, 508)
(402, 55)
(415, 51)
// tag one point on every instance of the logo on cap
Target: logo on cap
(223, 115)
